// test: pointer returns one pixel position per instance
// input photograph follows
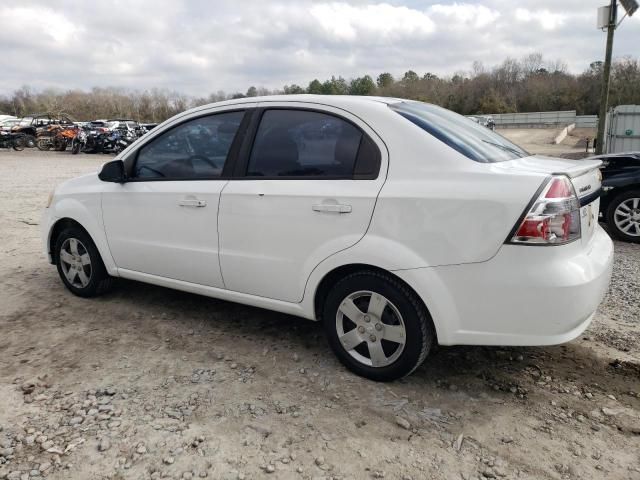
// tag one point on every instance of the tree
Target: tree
(362, 86)
(385, 80)
(315, 87)
(252, 92)
(335, 86)
(410, 77)
(293, 89)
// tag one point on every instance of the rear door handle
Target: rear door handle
(332, 207)
(192, 202)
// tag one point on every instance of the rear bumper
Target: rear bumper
(523, 296)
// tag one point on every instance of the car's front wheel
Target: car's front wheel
(377, 326)
(623, 216)
(79, 264)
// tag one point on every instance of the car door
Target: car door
(163, 220)
(309, 181)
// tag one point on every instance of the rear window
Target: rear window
(460, 133)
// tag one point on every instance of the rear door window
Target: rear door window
(301, 143)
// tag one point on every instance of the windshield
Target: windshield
(460, 133)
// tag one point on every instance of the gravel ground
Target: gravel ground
(147, 382)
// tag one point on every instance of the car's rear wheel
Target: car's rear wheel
(623, 216)
(377, 326)
(79, 264)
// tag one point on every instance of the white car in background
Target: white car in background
(6, 124)
(396, 223)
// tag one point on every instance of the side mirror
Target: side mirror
(113, 172)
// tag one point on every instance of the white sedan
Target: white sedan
(396, 223)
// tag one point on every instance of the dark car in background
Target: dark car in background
(31, 125)
(620, 201)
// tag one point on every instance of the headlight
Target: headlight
(50, 199)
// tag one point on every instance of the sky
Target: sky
(202, 46)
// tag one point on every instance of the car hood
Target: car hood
(83, 184)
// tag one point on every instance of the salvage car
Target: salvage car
(620, 202)
(398, 224)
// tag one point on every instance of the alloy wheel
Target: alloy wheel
(627, 217)
(75, 262)
(370, 328)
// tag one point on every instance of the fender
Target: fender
(86, 210)
(387, 254)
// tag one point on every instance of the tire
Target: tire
(403, 318)
(75, 148)
(623, 216)
(18, 144)
(82, 279)
(43, 144)
(30, 141)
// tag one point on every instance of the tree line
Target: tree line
(529, 84)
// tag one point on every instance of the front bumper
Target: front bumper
(47, 220)
(525, 295)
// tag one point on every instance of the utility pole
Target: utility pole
(606, 72)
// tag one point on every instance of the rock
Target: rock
(319, 461)
(47, 445)
(611, 412)
(296, 357)
(458, 443)
(141, 449)
(104, 445)
(44, 467)
(75, 421)
(5, 452)
(270, 468)
(168, 460)
(28, 387)
(403, 422)
(507, 439)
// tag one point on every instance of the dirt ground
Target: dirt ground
(540, 141)
(147, 382)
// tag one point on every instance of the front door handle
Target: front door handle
(192, 202)
(332, 207)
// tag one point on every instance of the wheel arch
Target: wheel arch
(57, 228)
(337, 273)
(87, 224)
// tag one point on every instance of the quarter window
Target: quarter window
(300, 143)
(193, 150)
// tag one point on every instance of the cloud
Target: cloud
(200, 46)
(546, 19)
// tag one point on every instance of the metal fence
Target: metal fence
(544, 119)
(586, 121)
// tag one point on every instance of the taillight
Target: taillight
(554, 218)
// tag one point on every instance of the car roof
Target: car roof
(332, 100)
